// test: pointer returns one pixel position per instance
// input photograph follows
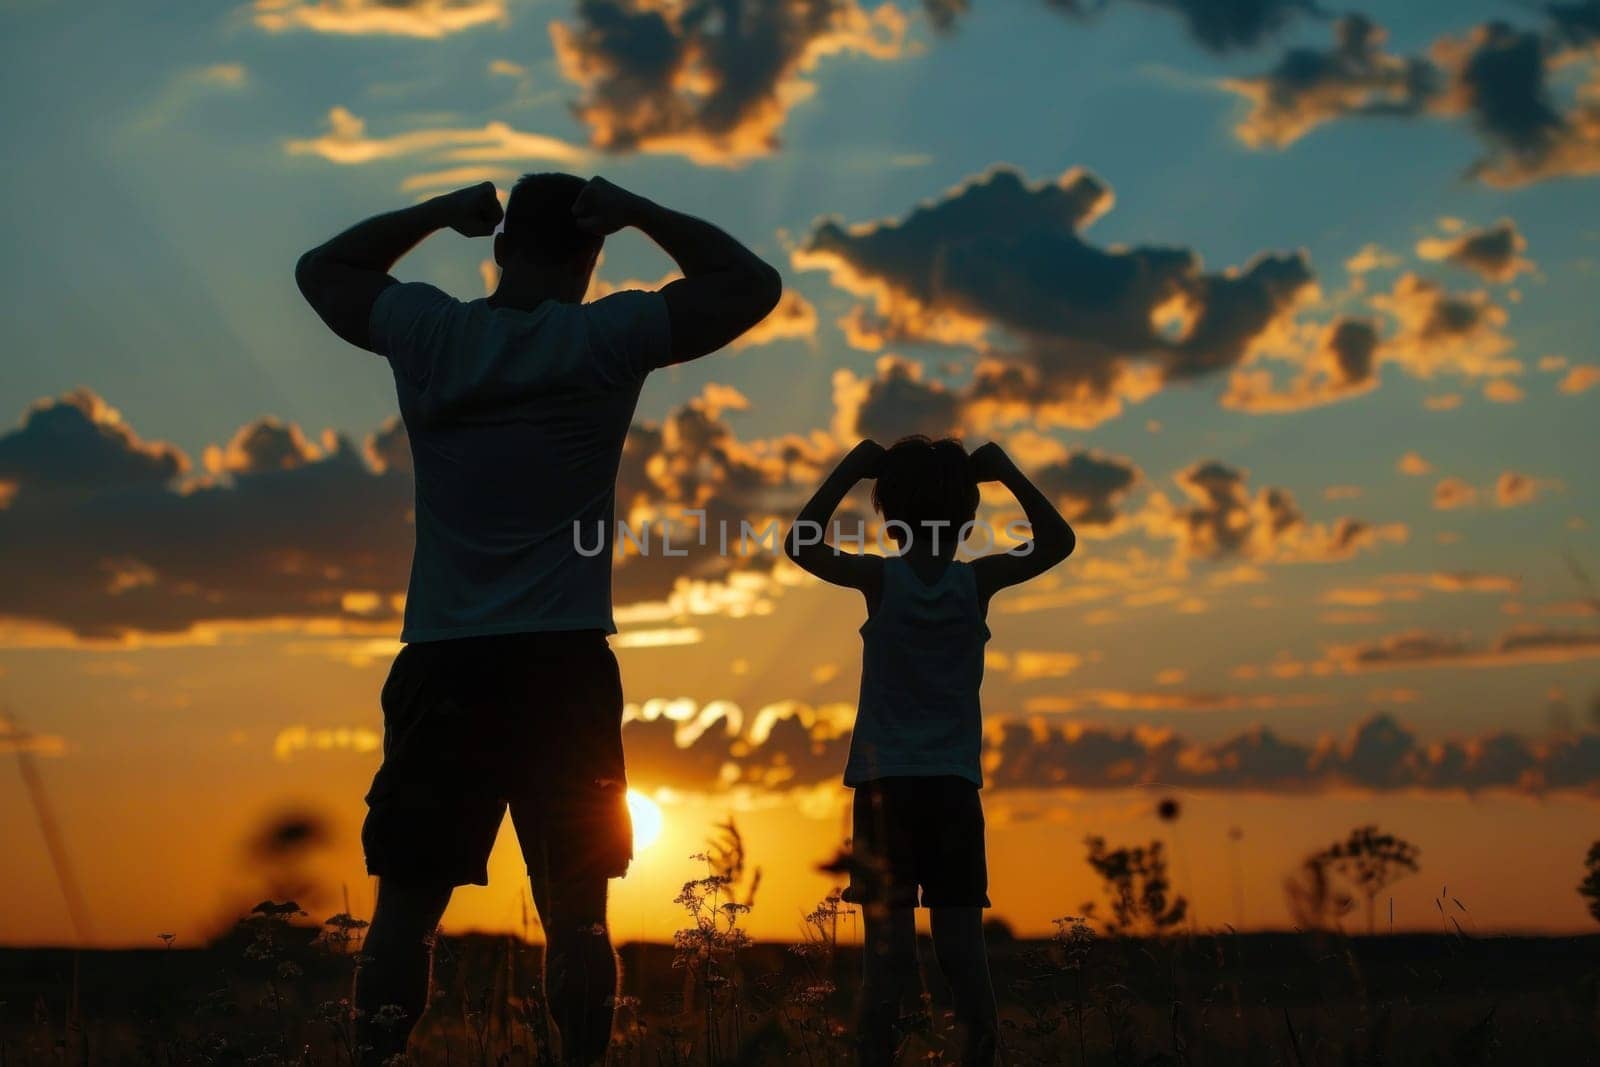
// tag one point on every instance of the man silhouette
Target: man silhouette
(506, 692)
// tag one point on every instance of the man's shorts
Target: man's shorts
(532, 721)
(918, 831)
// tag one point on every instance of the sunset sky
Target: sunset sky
(1293, 311)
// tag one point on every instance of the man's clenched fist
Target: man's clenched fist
(474, 211)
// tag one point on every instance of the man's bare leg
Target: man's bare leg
(580, 968)
(398, 964)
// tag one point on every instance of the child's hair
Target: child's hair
(924, 481)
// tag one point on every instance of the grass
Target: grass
(274, 992)
(1137, 987)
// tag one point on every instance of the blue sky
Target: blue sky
(158, 203)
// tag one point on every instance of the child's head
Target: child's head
(921, 482)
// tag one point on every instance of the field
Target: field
(270, 992)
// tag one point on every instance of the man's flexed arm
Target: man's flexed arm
(342, 277)
(725, 288)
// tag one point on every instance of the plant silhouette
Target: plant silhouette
(1136, 881)
(1589, 888)
(1371, 861)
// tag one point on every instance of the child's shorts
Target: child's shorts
(918, 831)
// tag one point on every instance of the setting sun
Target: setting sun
(647, 820)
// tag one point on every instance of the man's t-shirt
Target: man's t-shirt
(517, 421)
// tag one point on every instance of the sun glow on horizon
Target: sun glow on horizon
(647, 820)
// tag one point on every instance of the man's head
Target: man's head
(922, 481)
(540, 232)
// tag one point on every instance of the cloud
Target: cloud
(683, 745)
(1444, 332)
(794, 319)
(1512, 489)
(447, 178)
(1423, 649)
(1494, 253)
(77, 443)
(1499, 78)
(693, 460)
(109, 536)
(1309, 87)
(1496, 77)
(1216, 26)
(105, 540)
(347, 142)
(1167, 701)
(1414, 465)
(1378, 753)
(1344, 365)
(292, 741)
(1580, 379)
(405, 18)
(896, 402)
(1503, 391)
(714, 747)
(1089, 487)
(1068, 331)
(1222, 519)
(1452, 493)
(14, 740)
(714, 83)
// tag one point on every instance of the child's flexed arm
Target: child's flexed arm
(1053, 539)
(806, 543)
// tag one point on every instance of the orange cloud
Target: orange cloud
(1495, 253)
(1452, 493)
(405, 18)
(1580, 379)
(347, 142)
(1413, 464)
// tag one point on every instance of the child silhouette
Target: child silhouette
(915, 753)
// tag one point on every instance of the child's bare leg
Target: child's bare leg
(889, 973)
(958, 941)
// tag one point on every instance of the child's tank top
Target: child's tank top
(921, 669)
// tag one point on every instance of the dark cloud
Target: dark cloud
(1422, 648)
(1494, 253)
(106, 536)
(1496, 76)
(1069, 330)
(1379, 753)
(1345, 364)
(896, 402)
(102, 540)
(78, 443)
(1088, 487)
(1439, 331)
(1309, 86)
(1576, 24)
(707, 750)
(712, 81)
(1223, 25)
(1223, 519)
(1217, 25)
